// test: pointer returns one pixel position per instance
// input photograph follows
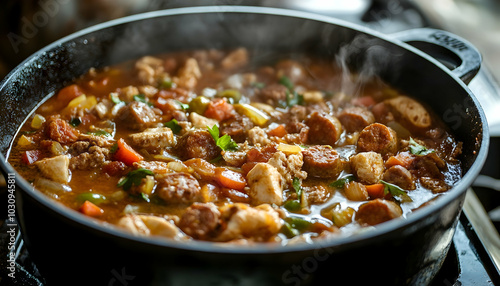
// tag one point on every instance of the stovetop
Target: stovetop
(468, 261)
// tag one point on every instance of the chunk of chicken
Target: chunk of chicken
(258, 223)
(149, 69)
(368, 167)
(266, 184)
(55, 168)
(236, 59)
(188, 75)
(149, 225)
(258, 135)
(289, 167)
(200, 121)
(160, 137)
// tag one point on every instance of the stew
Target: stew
(208, 145)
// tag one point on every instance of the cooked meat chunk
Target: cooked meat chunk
(55, 168)
(355, 118)
(324, 129)
(259, 136)
(236, 59)
(200, 221)
(368, 167)
(355, 191)
(101, 141)
(200, 121)
(178, 188)
(157, 138)
(273, 94)
(189, 74)
(429, 165)
(59, 130)
(322, 161)
(149, 225)
(265, 184)
(136, 115)
(289, 167)
(435, 185)
(316, 194)
(400, 176)
(197, 144)
(78, 148)
(295, 117)
(95, 157)
(257, 223)
(157, 167)
(234, 158)
(382, 113)
(291, 69)
(378, 138)
(149, 69)
(114, 168)
(236, 127)
(377, 211)
(412, 112)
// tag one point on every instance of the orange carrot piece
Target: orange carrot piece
(219, 110)
(279, 131)
(68, 93)
(230, 179)
(91, 209)
(375, 190)
(126, 154)
(403, 159)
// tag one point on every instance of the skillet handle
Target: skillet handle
(456, 53)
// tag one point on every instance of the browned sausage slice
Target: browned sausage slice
(324, 129)
(399, 175)
(178, 188)
(200, 220)
(322, 161)
(236, 127)
(197, 144)
(378, 138)
(377, 211)
(355, 118)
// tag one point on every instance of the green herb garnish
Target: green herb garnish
(115, 98)
(174, 125)
(418, 149)
(134, 178)
(100, 133)
(293, 205)
(396, 192)
(113, 148)
(142, 98)
(259, 85)
(226, 143)
(341, 182)
(184, 106)
(284, 80)
(75, 122)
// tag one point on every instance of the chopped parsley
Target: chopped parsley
(396, 192)
(226, 143)
(284, 80)
(134, 178)
(295, 205)
(114, 148)
(341, 182)
(418, 149)
(115, 98)
(75, 121)
(142, 98)
(184, 106)
(174, 125)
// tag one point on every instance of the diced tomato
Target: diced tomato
(88, 119)
(230, 179)
(363, 101)
(68, 93)
(126, 154)
(375, 191)
(279, 131)
(403, 159)
(91, 209)
(245, 168)
(59, 130)
(219, 109)
(31, 156)
(114, 168)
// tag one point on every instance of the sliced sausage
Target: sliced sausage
(435, 185)
(273, 93)
(378, 138)
(136, 115)
(200, 220)
(377, 211)
(355, 118)
(294, 117)
(178, 188)
(322, 161)
(324, 129)
(400, 176)
(197, 144)
(410, 111)
(368, 167)
(236, 127)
